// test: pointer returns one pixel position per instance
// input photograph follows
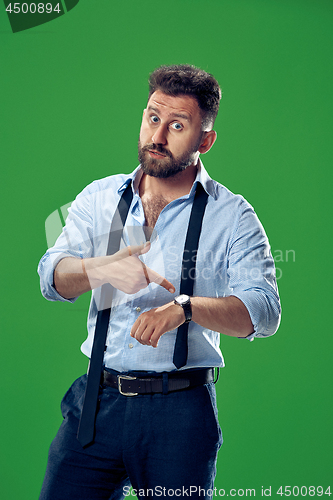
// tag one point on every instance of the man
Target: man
(164, 439)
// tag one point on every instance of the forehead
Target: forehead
(174, 105)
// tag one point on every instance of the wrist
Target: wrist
(178, 312)
(93, 267)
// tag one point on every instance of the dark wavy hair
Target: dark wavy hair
(184, 79)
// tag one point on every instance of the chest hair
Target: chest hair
(152, 207)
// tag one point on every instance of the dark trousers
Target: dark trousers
(162, 445)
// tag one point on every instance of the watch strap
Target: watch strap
(188, 311)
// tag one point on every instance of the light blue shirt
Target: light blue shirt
(233, 258)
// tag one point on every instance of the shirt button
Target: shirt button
(130, 346)
(138, 309)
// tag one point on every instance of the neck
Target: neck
(170, 188)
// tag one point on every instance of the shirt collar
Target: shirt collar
(202, 176)
(205, 180)
(135, 178)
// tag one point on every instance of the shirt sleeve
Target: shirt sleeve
(251, 272)
(74, 241)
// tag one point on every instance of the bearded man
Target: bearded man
(173, 259)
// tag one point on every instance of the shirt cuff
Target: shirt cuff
(46, 273)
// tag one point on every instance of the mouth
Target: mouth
(156, 154)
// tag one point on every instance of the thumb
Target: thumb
(139, 249)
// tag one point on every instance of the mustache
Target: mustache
(157, 147)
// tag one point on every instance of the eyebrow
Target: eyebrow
(175, 115)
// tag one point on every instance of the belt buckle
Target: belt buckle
(126, 377)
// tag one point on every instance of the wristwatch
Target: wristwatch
(185, 302)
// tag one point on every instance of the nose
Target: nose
(159, 136)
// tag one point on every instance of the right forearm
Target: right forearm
(71, 278)
(123, 270)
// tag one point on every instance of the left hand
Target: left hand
(151, 325)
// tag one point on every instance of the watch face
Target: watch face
(182, 299)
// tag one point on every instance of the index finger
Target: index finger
(167, 285)
(157, 278)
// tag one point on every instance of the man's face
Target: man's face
(170, 134)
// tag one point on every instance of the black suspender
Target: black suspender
(86, 428)
(188, 269)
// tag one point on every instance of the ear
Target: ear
(144, 112)
(207, 141)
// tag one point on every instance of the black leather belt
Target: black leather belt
(129, 385)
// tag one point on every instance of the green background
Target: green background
(72, 94)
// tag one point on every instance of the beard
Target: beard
(170, 165)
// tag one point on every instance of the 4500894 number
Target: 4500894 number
(33, 8)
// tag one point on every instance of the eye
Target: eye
(177, 126)
(154, 119)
